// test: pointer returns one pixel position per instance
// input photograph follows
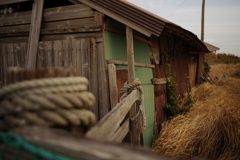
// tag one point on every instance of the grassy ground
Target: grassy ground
(211, 130)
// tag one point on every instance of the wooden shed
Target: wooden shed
(92, 35)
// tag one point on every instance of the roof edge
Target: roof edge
(116, 17)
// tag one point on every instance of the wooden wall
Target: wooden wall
(174, 51)
(71, 36)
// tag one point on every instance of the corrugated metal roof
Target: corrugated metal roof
(142, 20)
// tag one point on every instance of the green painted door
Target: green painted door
(115, 49)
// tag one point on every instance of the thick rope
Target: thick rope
(128, 88)
(47, 102)
(14, 141)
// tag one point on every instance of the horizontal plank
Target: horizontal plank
(51, 14)
(2, 2)
(110, 123)
(68, 26)
(97, 35)
(126, 63)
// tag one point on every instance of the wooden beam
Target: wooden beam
(34, 35)
(109, 124)
(121, 132)
(113, 85)
(135, 64)
(71, 12)
(103, 101)
(2, 2)
(134, 133)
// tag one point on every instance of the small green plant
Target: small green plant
(206, 67)
(171, 108)
(189, 100)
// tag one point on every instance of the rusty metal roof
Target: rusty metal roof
(142, 20)
(211, 47)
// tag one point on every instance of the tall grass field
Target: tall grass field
(211, 129)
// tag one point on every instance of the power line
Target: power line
(176, 8)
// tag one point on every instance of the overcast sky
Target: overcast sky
(222, 19)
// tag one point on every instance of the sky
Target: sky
(222, 19)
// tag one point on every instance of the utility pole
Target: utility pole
(203, 15)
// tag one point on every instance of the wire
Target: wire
(176, 9)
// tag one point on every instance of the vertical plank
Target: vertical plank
(79, 57)
(40, 56)
(65, 51)
(200, 68)
(134, 133)
(103, 100)
(48, 53)
(66, 56)
(58, 60)
(93, 86)
(34, 34)
(1, 66)
(85, 46)
(4, 51)
(23, 53)
(112, 75)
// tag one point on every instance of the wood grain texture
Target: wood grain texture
(103, 101)
(110, 123)
(112, 75)
(34, 34)
(82, 148)
(134, 133)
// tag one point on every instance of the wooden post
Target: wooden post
(34, 34)
(134, 133)
(203, 19)
(112, 75)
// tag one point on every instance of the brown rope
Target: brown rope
(129, 87)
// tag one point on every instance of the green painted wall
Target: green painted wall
(115, 49)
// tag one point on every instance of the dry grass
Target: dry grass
(211, 130)
(229, 70)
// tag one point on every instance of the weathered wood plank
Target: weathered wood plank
(93, 85)
(112, 75)
(1, 66)
(51, 14)
(68, 26)
(40, 58)
(200, 68)
(121, 132)
(34, 33)
(109, 124)
(154, 50)
(134, 133)
(135, 64)
(2, 2)
(104, 102)
(82, 148)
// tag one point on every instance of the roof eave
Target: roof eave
(116, 17)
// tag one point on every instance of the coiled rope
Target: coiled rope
(129, 87)
(47, 102)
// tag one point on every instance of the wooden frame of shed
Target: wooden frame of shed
(100, 38)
